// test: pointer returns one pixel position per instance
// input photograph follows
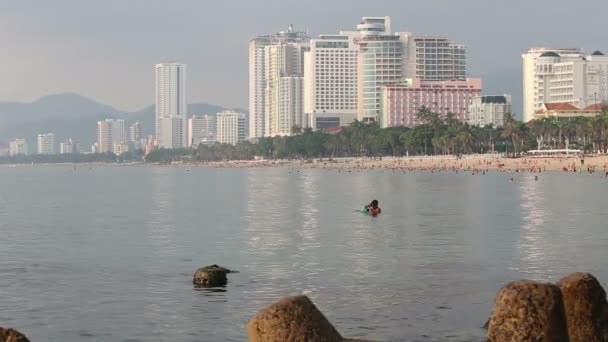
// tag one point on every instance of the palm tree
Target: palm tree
(513, 130)
(465, 138)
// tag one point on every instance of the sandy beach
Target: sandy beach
(468, 163)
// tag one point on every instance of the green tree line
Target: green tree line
(435, 136)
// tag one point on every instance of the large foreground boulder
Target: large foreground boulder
(211, 276)
(292, 319)
(585, 308)
(11, 335)
(527, 311)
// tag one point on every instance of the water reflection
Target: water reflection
(161, 235)
(532, 246)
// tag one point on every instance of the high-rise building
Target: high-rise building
(291, 106)
(402, 102)
(436, 59)
(230, 127)
(386, 58)
(563, 75)
(330, 81)
(380, 62)
(104, 137)
(489, 110)
(46, 143)
(109, 133)
(69, 147)
(201, 130)
(171, 107)
(172, 132)
(135, 132)
(274, 61)
(18, 147)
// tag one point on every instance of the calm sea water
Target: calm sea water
(107, 253)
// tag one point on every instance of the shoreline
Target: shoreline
(465, 163)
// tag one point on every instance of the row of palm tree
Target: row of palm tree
(586, 133)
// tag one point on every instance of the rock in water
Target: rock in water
(585, 307)
(10, 335)
(211, 276)
(291, 319)
(527, 311)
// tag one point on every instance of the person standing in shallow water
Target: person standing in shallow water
(373, 208)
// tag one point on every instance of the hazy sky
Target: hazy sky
(106, 49)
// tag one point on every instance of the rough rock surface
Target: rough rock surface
(10, 335)
(528, 311)
(585, 308)
(211, 276)
(291, 319)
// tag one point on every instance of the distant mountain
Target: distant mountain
(74, 116)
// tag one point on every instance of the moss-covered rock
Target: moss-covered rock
(585, 307)
(527, 311)
(294, 319)
(211, 276)
(11, 335)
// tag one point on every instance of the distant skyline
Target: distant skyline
(107, 50)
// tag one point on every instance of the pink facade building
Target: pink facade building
(401, 102)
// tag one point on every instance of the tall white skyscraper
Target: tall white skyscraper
(46, 143)
(171, 106)
(330, 80)
(230, 127)
(563, 75)
(383, 59)
(201, 130)
(275, 62)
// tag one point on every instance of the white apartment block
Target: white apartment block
(330, 81)
(171, 103)
(68, 147)
(201, 130)
(489, 110)
(563, 75)
(271, 59)
(436, 59)
(109, 133)
(135, 132)
(18, 147)
(230, 127)
(172, 131)
(46, 143)
(284, 65)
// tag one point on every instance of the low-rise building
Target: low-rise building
(489, 110)
(46, 143)
(231, 127)
(18, 147)
(401, 102)
(69, 147)
(567, 110)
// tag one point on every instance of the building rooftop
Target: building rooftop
(549, 54)
(597, 53)
(494, 99)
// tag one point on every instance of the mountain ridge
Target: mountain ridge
(71, 115)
